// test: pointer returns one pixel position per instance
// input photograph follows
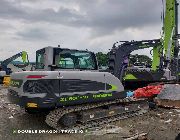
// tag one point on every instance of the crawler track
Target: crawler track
(54, 116)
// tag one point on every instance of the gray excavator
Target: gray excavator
(68, 83)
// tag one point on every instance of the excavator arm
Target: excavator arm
(170, 37)
(169, 47)
(5, 63)
(169, 29)
(119, 53)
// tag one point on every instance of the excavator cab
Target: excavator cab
(51, 59)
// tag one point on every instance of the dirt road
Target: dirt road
(159, 124)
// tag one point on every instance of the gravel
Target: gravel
(159, 124)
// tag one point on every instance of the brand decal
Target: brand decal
(15, 83)
(85, 97)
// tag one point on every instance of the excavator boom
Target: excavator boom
(5, 71)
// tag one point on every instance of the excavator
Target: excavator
(165, 64)
(68, 84)
(5, 71)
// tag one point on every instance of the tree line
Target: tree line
(133, 59)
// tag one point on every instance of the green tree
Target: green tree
(140, 59)
(102, 59)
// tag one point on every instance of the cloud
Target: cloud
(62, 16)
(33, 34)
(102, 16)
(82, 24)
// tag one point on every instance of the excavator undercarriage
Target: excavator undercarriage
(92, 115)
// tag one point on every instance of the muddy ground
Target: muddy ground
(159, 124)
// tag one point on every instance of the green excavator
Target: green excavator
(165, 64)
(5, 71)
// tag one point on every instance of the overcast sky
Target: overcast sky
(82, 24)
